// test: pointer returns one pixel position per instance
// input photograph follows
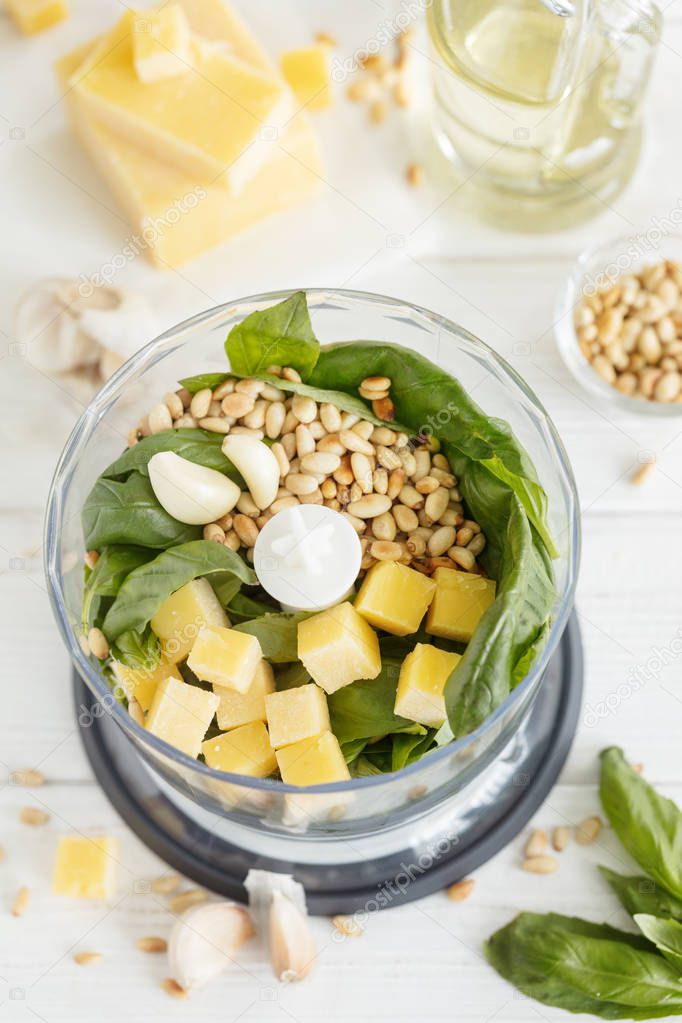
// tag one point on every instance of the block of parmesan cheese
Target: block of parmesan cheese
(32, 16)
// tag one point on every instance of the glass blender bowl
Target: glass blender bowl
(337, 820)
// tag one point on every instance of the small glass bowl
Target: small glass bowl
(598, 267)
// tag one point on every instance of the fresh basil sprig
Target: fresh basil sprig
(648, 825)
(281, 335)
(146, 587)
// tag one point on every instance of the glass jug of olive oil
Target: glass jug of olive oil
(539, 101)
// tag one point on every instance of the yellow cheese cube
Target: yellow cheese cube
(296, 714)
(338, 647)
(307, 72)
(180, 714)
(459, 602)
(85, 868)
(141, 685)
(394, 598)
(33, 16)
(244, 750)
(225, 657)
(161, 44)
(421, 684)
(236, 708)
(183, 615)
(315, 761)
(208, 123)
(216, 20)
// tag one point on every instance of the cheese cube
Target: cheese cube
(140, 685)
(85, 868)
(296, 714)
(208, 123)
(183, 615)
(161, 44)
(33, 16)
(421, 685)
(236, 708)
(394, 598)
(460, 600)
(175, 219)
(244, 750)
(338, 647)
(315, 761)
(216, 20)
(307, 72)
(225, 657)
(180, 714)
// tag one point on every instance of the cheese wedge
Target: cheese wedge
(161, 44)
(173, 218)
(216, 123)
(85, 868)
(32, 16)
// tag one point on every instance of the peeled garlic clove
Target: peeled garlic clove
(203, 941)
(189, 492)
(257, 464)
(292, 949)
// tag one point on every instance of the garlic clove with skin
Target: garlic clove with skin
(191, 493)
(292, 949)
(203, 941)
(257, 464)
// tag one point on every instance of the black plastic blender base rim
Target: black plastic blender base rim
(326, 893)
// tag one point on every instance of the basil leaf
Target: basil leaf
(203, 380)
(127, 512)
(243, 608)
(352, 750)
(146, 588)
(648, 825)
(105, 579)
(642, 895)
(140, 650)
(666, 936)
(291, 676)
(277, 634)
(576, 965)
(198, 446)
(279, 336)
(407, 749)
(364, 709)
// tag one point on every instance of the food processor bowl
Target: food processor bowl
(453, 781)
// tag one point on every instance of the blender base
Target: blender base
(221, 865)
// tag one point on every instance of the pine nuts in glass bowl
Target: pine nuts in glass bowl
(619, 323)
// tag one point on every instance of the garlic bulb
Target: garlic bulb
(69, 328)
(191, 493)
(203, 941)
(257, 464)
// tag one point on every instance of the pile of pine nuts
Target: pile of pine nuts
(399, 495)
(631, 333)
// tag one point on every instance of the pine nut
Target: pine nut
(328, 488)
(244, 431)
(354, 442)
(317, 430)
(436, 503)
(185, 423)
(237, 404)
(290, 421)
(355, 491)
(232, 541)
(422, 458)
(160, 419)
(464, 536)
(283, 502)
(172, 988)
(381, 435)
(246, 529)
(362, 471)
(247, 506)
(320, 462)
(439, 562)
(184, 396)
(281, 456)
(412, 498)
(200, 403)
(359, 525)
(560, 838)
(20, 904)
(305, 442)
(288, 373)
(33, 816)
(133, 437)
(304, 408)
(249, 386)
(214, 532)
(450, 518)
(363, 429)
(444, 477)
(315, 497)
(416, 545)
(476, 545)
(91, 558)
(173, 403)
(376, 384)
(272, 393)
(537, 843)
(330, 418)
(405, 517)
(222, 390)
(28, 777)
(384, 409)
(396, 481)
(541, 865)
(348, 925)
(463, 557)
(99, 646)
(344, 474)
(298, 483)
(461, 890)
(427, 485)
(331, 445)
(439, 461)
(152, 944)
(215, 424)
(441, 540)
(348, 420)
(380, 481)
(369, 507)
(214, 409)
(668, 387)
(88, 958)
(255, 419)
(384, 550)
(384, 527)
(588, 830)
(388, 459)
(288, 442)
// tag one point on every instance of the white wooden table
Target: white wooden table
(366, 230)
